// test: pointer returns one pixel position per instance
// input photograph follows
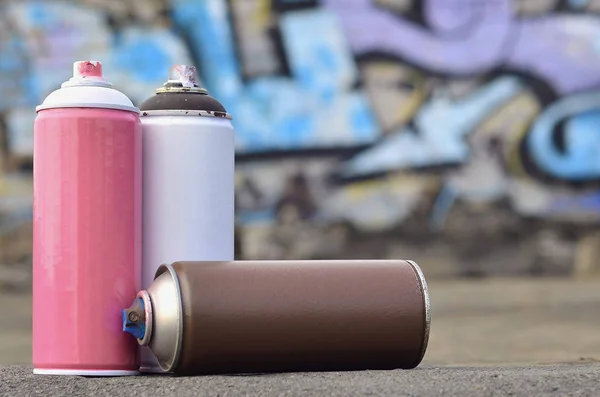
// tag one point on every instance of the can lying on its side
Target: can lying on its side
(279, 316)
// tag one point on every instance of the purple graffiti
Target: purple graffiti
(484, 26)
(563, 49)
(466, 37)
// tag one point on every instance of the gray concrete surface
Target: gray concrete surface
(551, 380)
(515, 337)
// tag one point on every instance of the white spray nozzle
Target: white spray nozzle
(184, 74)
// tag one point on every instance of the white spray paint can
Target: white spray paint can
(188, 179)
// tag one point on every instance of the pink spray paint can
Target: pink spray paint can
(87, 227)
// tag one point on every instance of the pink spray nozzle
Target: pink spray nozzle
(88, 73)
(87, 69)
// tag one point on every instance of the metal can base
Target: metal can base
(84, 372)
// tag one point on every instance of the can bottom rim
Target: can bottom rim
(427, 310)
(152, 370)
(85, 372)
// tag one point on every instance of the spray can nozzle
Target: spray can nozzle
(182, 78)
(183, 74)
(87, 69)
(134, 319)
(87, 73)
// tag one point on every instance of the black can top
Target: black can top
(182, 93)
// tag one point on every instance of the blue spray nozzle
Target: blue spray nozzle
(134, 319)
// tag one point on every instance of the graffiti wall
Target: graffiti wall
(450, 131)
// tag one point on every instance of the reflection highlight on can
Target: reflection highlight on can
(279, 316)
(188, 200)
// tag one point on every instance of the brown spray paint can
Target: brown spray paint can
(280, 316)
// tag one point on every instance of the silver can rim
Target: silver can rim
(188, 113)
(145, 297)
(169, 365)
(427, 302)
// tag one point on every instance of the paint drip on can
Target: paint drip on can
(188, 200)
(86, 226)
(278, 316)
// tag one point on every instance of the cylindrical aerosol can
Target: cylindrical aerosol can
(86, 226)
(188, 210)
(278, 316)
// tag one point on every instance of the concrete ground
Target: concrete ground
(551, 380)
(488, 337)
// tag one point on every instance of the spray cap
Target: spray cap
(182, 95)
(87, 73)
(87, 89)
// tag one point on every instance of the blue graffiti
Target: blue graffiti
(144, 58)
(580, 119)
(589, 201)
(208, 26)
(439, 132)
(15, 76)
(42, 17)
(441, 207)
(316, 108)
(55, 34)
